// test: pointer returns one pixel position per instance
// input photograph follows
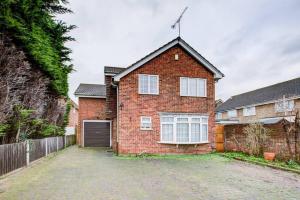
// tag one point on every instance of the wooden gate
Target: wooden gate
(220, 138)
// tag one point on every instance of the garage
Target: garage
(96, 133)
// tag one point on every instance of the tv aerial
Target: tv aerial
(178, 21)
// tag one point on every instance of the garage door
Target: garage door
(96, 133)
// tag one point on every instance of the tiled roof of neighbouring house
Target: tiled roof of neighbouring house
(275, 92)
(113, 70)
(95, 90)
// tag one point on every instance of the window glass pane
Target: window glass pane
(204, 120)
(167, 119)
(192, 87)
(167, 132)
(153, 84)
(143, 84)
(183, 86)
(200, 87)
(195, 133)
(290, 105)
(182, 132)
(146, 119)
(204, 132)
(195, 119)
(146, 125)
(182, 119)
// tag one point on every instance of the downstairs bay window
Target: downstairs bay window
(179, 129)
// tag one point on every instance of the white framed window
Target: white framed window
(184, 129)
(146, 123)
(283, 106)
(249, 111)
(148, 84)
(218, 115)
(232, 113)
(194, 87)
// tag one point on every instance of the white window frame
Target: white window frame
(246, 111)
(188, 88)
(142, 122)
(285, 105)
(190, 122)
(149, 87)
(232, 113)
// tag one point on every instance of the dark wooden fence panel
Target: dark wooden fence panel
(60, 143)
(70, 140)
(37, 149)
(12, 157)
(52, 144)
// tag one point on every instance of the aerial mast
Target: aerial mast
(178, 21)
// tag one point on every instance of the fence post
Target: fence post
(65, 141)
(46, 146)
(56, 143)
(27, 152)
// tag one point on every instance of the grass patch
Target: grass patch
(289, 166)
(207, 156)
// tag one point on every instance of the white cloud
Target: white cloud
(254, 43)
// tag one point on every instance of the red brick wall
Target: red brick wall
(235, 140)
(90, 109)
(134, 140)
(73, 117)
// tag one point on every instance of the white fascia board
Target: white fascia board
(143, 61)
(217, 73)
(96, 97)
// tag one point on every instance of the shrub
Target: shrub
(256, 136)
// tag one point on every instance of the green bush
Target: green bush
(34, 28)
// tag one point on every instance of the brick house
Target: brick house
(267, 105)
(162, 104)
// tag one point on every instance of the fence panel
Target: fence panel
(60, 142)
(37, 149)
(12, 157)
(70, 140)
(52, 144)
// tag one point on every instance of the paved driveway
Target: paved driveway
(77, 173)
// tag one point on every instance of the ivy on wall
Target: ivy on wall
(34, 28)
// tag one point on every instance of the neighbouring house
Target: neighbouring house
(267, 105)
(162, 104)
(73, 119)
(218, 102)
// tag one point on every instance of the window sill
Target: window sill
(146, 129)
(149, 94)
(186, 143)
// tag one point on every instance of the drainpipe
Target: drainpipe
(117, 146)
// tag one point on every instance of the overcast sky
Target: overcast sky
(254, 43)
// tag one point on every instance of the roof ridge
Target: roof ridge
(265, 87)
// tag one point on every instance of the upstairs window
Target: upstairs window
(193, 87)
(148, 84)
(283, 106)
(232, 113)
(249, 111)
(146, 123)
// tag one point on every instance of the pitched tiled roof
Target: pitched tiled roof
(275, 92)
(113, 70)
(96, 90)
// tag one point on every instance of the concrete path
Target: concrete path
(77, 173)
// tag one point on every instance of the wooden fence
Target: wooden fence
(17, 155)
